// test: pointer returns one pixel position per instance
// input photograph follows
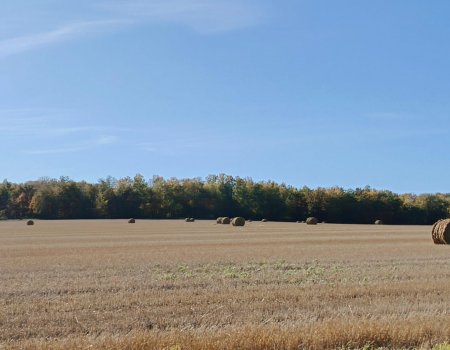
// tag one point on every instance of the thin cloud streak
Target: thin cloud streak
(49, 123)
(26, 43)
(86, 146)
(56, 131)
(204, 16)
(106, 140)
(30, 128)
(54, 150)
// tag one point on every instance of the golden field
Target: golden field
(169, 284)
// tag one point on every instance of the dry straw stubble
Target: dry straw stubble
(219, 293)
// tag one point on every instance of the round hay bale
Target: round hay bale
(225, 220)
(238, 221)
(249, 220)
(189, 219)
(219, 220)
(378, 222)
(30, 223)
(441, 232)
(298, 222)
(312, 221)
(131, 221)
(264, 220)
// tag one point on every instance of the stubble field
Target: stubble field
(174, 285)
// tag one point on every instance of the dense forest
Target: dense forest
(217, 195)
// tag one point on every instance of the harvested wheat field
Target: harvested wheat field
(177, 285)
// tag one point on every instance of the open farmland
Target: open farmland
(176, 285)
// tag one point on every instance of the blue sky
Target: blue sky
(318, 93)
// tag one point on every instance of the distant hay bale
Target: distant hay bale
(264, 220)
(298, 222)
(441, 232)
(238, 221)
(249, 220)
(189, 219)
(225, 220)
(219, 220)
(312, 221)
(378, 222)
(131, 221)
(30, 222)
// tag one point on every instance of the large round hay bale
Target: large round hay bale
(378, 222)
(30, 223)
(441, 232)
(131, 221)
(238, 221)
(264, 220)
(219, 220)
(225, 220)
(312, 221)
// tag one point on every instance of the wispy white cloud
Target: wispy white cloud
(59, 35)
(52, 132)
(38, 123)
(78, 147)
(204, 16)
(106, 140)
(54, 150)
(52, 123)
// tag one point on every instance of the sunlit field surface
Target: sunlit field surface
(175, 285)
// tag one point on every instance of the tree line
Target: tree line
(217, 195)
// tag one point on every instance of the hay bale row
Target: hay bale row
(441, 232)
(225, 220)
(312, 220)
